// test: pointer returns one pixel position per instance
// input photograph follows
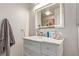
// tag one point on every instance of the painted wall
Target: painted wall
(31, 20)
(78, 24)
(69, 31)
(18, 16)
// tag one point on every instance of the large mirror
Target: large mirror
(50, 16)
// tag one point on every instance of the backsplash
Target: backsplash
(50, 32)
(47, 33)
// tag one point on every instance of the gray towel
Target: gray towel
(6, 37)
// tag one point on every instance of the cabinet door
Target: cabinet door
(29, 52)
(49, 49)
(31, 47)
(77, 13)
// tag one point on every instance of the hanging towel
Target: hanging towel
(6, 37)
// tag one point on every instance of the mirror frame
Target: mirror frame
(40, 7)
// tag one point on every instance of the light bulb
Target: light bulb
(48, 12)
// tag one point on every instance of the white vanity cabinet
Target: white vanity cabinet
(42, 46)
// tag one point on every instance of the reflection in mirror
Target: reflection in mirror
(51, 16)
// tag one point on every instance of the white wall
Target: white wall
(69, 31)
(18, 16)
(78, 24)
(31, 20)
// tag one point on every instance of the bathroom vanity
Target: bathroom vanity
(46, 16)
(42, 46)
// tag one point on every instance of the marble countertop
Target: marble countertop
(44, 39)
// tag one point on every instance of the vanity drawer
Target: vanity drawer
(48, 49)
(33, 45)
(36, 49)
(30, 42)
(28, 52)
